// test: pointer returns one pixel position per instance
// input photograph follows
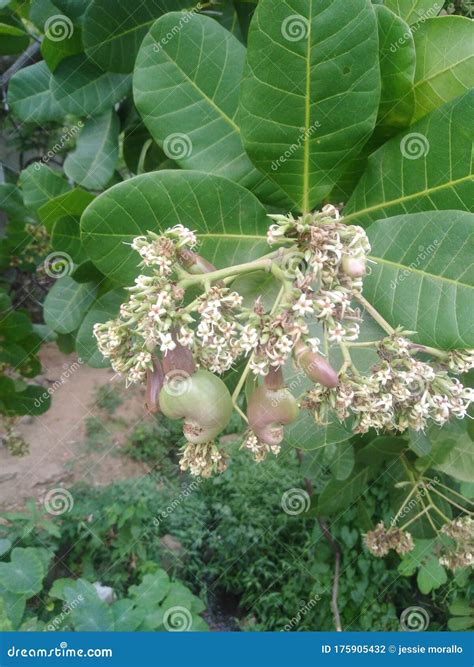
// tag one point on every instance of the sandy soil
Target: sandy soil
(59, 455)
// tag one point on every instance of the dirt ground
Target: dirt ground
(59, 452)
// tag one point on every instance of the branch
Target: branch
(337, 570)
(20, 62)
(334, 546)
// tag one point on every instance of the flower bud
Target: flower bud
(202, 400)
(316, 367)
(355, 267)
(268, 410)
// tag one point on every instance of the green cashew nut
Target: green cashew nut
(201, 399)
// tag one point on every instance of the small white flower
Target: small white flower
(167, 342)
(303, 306)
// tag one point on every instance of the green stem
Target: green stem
(451, 502)
(456, 493)
(415, 518)
(403, 505)
(375, 314)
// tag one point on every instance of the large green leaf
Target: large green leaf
(13, 37)
(92, 614)
(54, 51)
(75, 9)
(338, 497)
(426, 167)
(29, 96)
(66, 238)
(93, 162)
(423, 277)
(230, 221)
(397, 69)
(114, 29)
(82, 89)
(72, 202)
(104, 308)
(310, 93)
(24, 573)
(39, 184)
(305, 434)
(67, 303)
(186, 89)
(413, 11)
(444, 61)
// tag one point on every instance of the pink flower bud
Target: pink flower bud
(316, 367)
(355, 267)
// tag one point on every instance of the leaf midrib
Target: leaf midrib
(201, 92)
(400, 200)
(424, 274)
(306, 155)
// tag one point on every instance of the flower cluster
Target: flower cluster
(461, 554)
(332, 264)
(259, 449)
(380, 540)
(400, 392)
(203, 460)
(153, 310)
(217, 336)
